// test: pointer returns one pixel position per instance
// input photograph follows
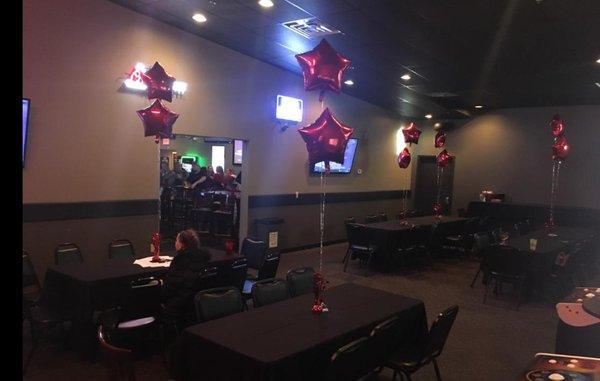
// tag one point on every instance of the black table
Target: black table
(76, 290)
(286, 341)
(386, 235)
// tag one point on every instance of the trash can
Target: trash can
(267, 229)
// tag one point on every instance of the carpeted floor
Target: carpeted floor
(488, 342)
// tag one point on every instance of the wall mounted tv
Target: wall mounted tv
(337, 168)
(24, 128)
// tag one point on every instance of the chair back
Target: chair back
(269, 291)
(383, 217)
(208, 277)
(438, 333)
(215, 303)
(121, 248)
(29, 275)
(349, 220)
(371, 218)
(269, 266)
(118, 360)
(357, 235)
(142, 299)
(385, 339)
(237, 273)
(480, 242)
(348, 362)
(522, 227)
(254, 250)
(67, 253)
(300, 280)
(504, 260)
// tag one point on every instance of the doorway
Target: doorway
(426, 188)
(200, 188)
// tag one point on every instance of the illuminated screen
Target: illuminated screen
(24, 128)
(238, 146)
(344, 168)
(289, 108)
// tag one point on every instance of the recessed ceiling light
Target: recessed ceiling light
(405, 77)
(265, 3)
(199, 17)
(428, 116)
(437, 125)
(349, 82)
(478, 106)
(598, 60)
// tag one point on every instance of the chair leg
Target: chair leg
(437, 370)
(475, 278)
(346, 255)
(487, 286)
(394, 376)
(369, 264)
(346, 259)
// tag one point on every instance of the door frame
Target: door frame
(447, 208)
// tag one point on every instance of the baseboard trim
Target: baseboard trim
(312, 245)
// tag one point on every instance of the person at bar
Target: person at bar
(178, 291)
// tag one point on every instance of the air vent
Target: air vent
(441, 94)
(311, 28)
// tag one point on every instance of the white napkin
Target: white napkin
(145, 262)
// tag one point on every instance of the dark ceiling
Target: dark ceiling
(495, 53)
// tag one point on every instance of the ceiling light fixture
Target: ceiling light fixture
(428, 116)
(265, 3)
(478, 106)
(598, 61)
(199, 18)
(406, 77)
(349, 82)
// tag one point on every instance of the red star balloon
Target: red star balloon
(440, 139)
(160, 84)
(443, 158)
(404, 158)
(557, 125)
(326, 139)
(411, 133)
(158, 120)
(323, 68)
(560, 149)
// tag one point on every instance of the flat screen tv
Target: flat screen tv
(24, 128)
(337, 168)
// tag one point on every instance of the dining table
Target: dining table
(287, 341)
(386, 235)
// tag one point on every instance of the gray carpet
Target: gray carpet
(488, 342)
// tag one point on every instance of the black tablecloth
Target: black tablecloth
(386, 235)
(286, 341)
(76, 290)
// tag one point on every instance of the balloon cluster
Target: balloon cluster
(411, 135)
(157, 119)
(442, 160)
(560, 150)
(326, 138)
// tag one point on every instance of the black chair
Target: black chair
(121, 248)
(140, 301)
(254, 250)
(371, 218)
(462, 212)
(300, 280)
(413, 244)
(359, 245)
(67, 253)
(480, 242)
(215, 303)
(350, 361)
(495, 235)
(385, 338)
(522, 227)
(409, 360)
(383, 217)
(237, 273)
(269, 291)
(504, 264)
(31, 283)
(119, 361)
(267, 270)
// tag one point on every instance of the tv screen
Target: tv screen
(238, 146)
(24, 128)
(346, 166)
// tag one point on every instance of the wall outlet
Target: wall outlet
(359, 171)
